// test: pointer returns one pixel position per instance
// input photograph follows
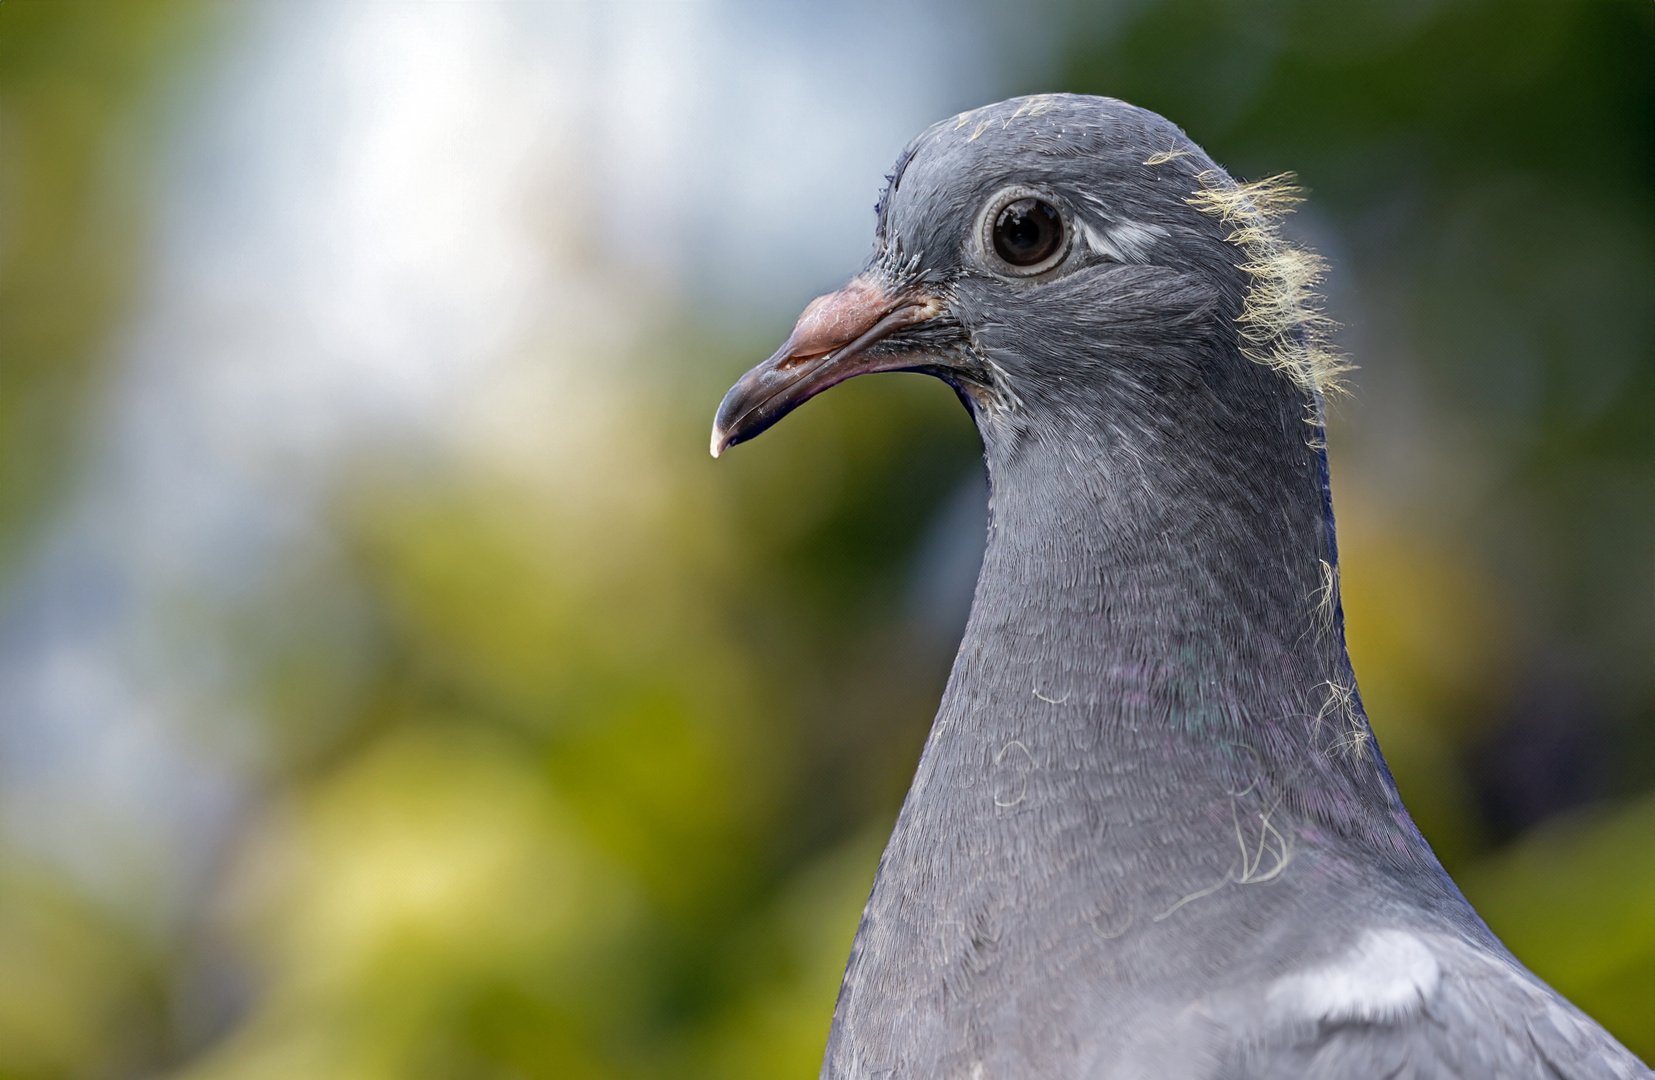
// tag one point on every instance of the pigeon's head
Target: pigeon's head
(1055, 258)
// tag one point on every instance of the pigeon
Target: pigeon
(1151, 834)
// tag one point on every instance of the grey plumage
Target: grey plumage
(1150, 834)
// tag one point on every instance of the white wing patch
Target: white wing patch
(1388, 975)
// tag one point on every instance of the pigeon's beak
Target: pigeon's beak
(830, 343)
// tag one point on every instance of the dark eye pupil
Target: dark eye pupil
(1027, 231)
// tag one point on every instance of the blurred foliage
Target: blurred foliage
(78, 127)
(81, 992)
(578, 760)
(1573, 899)
(78, 993)
(637, 703)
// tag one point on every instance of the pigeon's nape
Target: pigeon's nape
(835, 339)
(1150, 835)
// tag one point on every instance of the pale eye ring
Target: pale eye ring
(1023, 233)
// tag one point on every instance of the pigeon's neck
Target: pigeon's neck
(1160, 621)
(1163, 551)
(1104, 563)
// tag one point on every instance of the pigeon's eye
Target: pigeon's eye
(1026, 232)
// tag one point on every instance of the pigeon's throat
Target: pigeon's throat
(1161, 559)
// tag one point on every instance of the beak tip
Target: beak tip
(718, 444)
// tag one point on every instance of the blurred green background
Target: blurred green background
(393, 687)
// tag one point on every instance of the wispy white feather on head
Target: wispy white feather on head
(1282, 324)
